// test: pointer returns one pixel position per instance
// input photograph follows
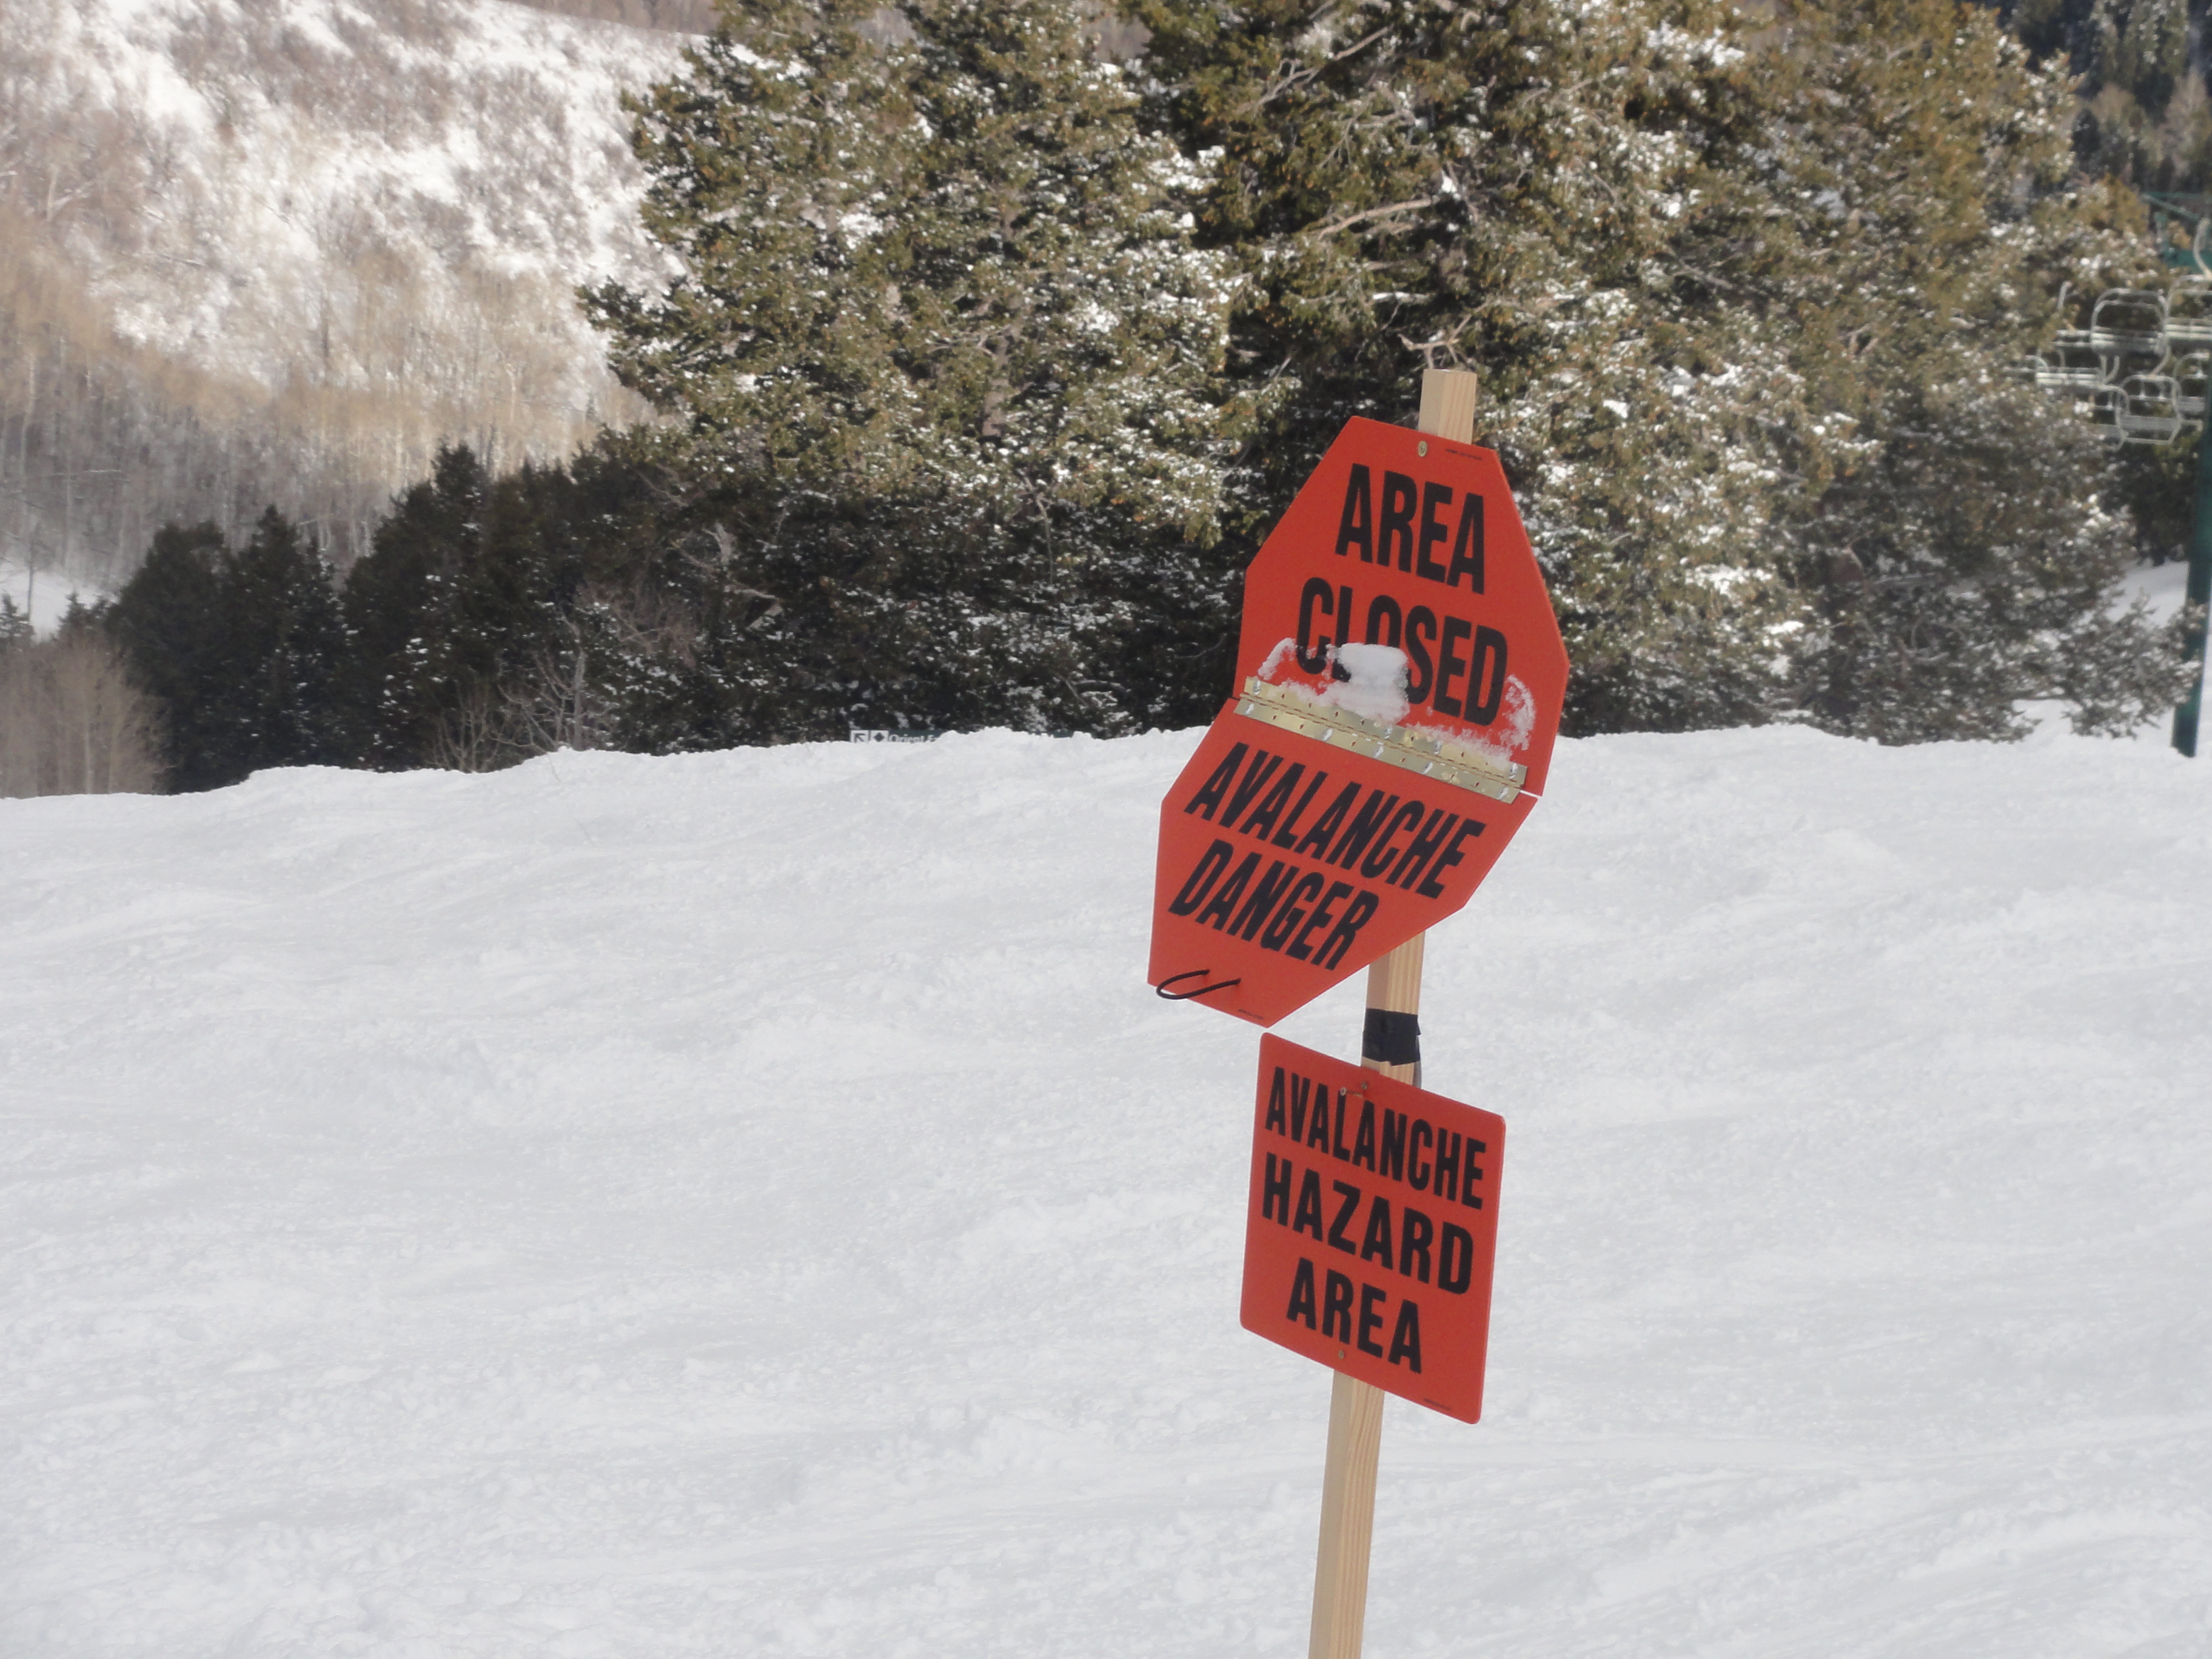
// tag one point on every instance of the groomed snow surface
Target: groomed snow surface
(749, 1204)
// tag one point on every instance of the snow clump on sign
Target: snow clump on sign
(1374, 686)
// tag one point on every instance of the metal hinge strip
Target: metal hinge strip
(1394, 746)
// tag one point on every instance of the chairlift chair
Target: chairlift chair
(2076, 371)
(2104, 412)
(2192, 377)
(2188, 316)
(2148, 410)
(2125, 370)
(2129, 323)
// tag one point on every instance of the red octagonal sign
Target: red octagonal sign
(1400, 681)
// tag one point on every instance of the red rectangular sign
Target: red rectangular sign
(1372, 1226)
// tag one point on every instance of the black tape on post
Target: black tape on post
(1391, 1039)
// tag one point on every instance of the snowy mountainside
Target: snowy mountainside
(319, 187)
(750, 1203)
(322, 236)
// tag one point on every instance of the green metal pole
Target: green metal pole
(2200, 591)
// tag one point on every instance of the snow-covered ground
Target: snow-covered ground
(749, 1204)
(2162, 586)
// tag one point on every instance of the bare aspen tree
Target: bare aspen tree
(71, 722)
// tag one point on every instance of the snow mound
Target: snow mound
(751, 1204)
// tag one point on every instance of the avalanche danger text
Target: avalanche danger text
(1372, 1227)
(1310, 914)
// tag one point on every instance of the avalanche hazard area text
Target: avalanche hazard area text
(751, 1204)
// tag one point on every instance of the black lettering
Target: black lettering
(1418, 1172)
(1301, 1294)
(1434, 498)
(1397, 521)
(1447, 1164)
(1316, 839)
(1309, 1215)
(1301, 1089)
(1217, 784)
(1415, 1233)
(1489, 648)
(1274, 1192)
(1361, 830)
(1225, 896)
(1263, 900)
(1287, 918)
(1429, 837)
(1467, 546)
(1262, 821)
(1467, 1195)
(1344, 1212)
(1274, 1119)
(1371, 1297)
(1393, 1167)
(1320, 917)
(1356, 527)
(1282, 836)
(1338, 1150)
(1382, 616)
(1211, 864)
(1374, 1243)
(1313, 655)
(1408, 817)
(1433, 883)
(1317, 1131)
(1363, 1144)
(1336, 1307)
(1451, 666)
(1421, 626)
(1255, 776)
(1356, 915)
(1406, 1340)
(1455, 1259)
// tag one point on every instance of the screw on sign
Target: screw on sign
(1400, 678)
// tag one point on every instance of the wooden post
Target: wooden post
(1355, 1408)
(1448, 398)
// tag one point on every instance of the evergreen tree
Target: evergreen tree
(492, 616)
(397, 598)
(242, 652)
(1739, 302)
(1957, 555)
(168, 621)
(15, 625)
(1534, 189)
(944, 356)
(2143, 115)
(282, 646)
(2144, 118)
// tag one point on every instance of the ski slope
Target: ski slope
(749, 1204)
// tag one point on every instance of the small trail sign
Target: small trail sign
(1401, 676)
(1372, 1227)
